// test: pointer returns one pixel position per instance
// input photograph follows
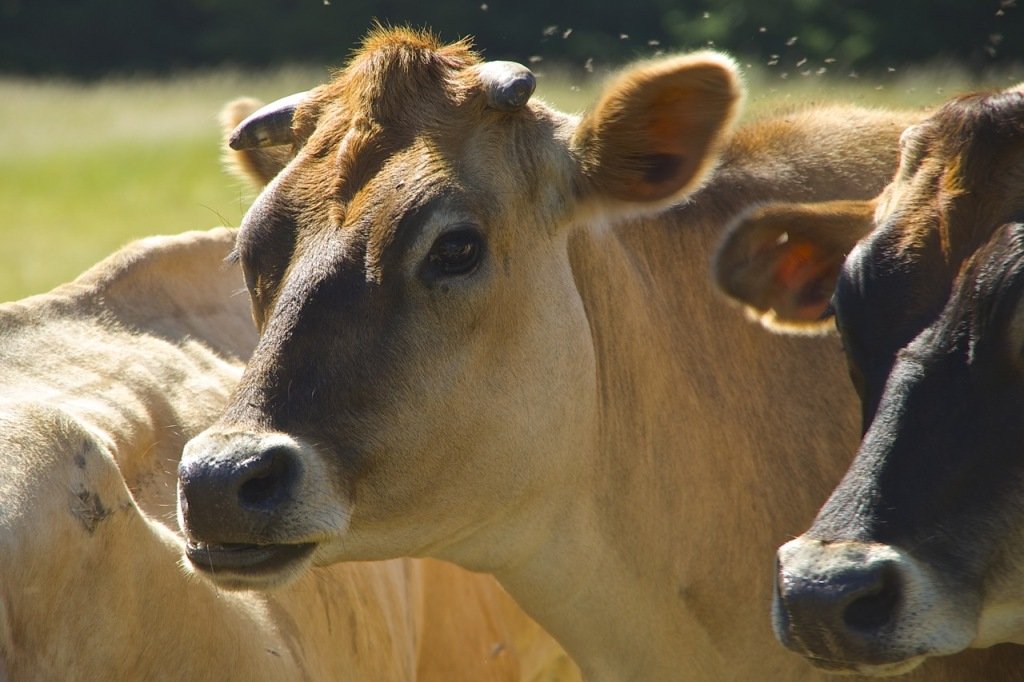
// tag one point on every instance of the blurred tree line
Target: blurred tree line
(92, 38)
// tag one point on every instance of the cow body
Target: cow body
(474, 345)
(914, 554)
(101, 383)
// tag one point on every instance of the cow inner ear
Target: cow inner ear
(782, 261)
(655, 131)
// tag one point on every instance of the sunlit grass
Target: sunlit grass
(83, 169)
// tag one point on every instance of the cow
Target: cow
(101, 383)
(488, 334)
(915, 553)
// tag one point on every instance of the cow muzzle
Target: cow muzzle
(860, 607)
(252, 507)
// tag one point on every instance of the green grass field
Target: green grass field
(84, 169)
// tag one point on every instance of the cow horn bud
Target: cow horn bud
(508, 85)
(268, 126)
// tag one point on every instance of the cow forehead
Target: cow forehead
(374, 194)
(955, 187)
(971, 128)
(401, 85)
(958, 177)
(405, 122)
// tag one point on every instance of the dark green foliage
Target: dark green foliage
(91, 38)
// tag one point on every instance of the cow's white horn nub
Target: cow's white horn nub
(508, 85)
(268, 126)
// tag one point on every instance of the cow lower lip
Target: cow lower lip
(243, 558)
(876, 669)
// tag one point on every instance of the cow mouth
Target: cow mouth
(870, 669)
(245, 563)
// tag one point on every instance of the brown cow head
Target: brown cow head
(915, 553)
(425, 365)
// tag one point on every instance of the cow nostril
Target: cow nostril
(876, 606)
(269, 480)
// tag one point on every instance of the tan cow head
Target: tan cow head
(425, 367)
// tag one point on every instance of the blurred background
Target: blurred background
(95, 38)
(108, 107)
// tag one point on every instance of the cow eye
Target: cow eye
(457, 252)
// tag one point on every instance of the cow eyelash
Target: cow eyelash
(457, 252)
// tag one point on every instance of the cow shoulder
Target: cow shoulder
(172, 287)
(782, 260)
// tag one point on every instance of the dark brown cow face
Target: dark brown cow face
(425, 365)
(914, 553)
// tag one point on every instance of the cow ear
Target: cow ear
(256, 165)
(656, 129)
(782, 260)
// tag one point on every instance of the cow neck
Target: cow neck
(711, 448)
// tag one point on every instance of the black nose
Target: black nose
(839, 610)
(234, 490)
(859, 598)
(265, 480)
(872, 598)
